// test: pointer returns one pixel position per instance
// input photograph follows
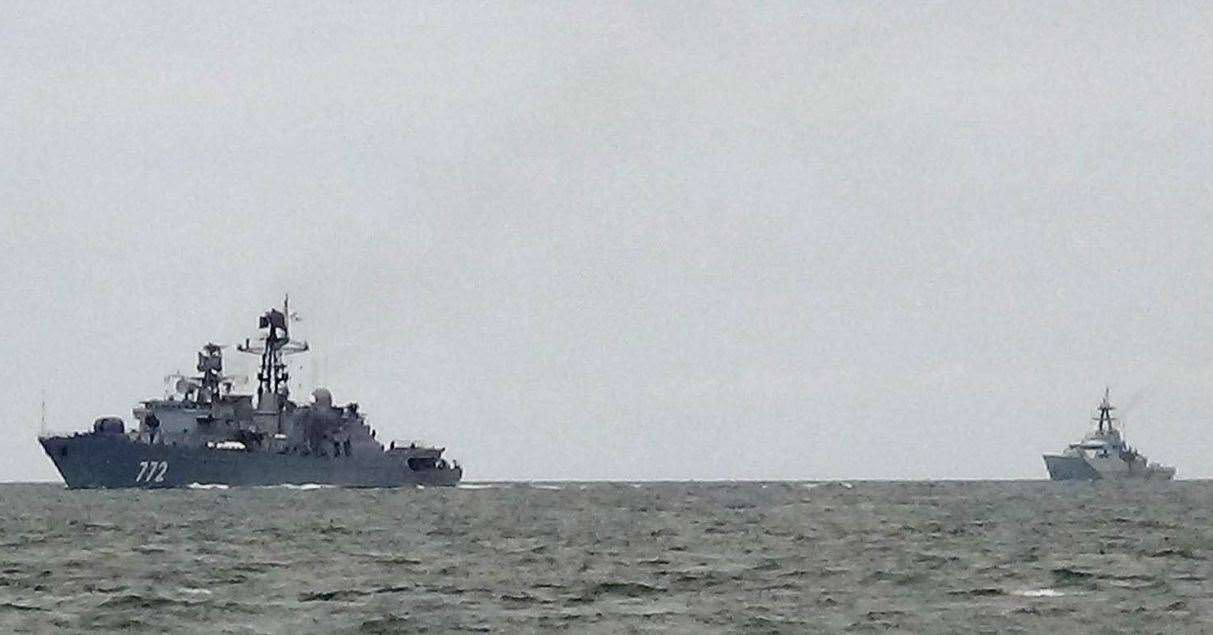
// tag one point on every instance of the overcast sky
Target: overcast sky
(593, 240)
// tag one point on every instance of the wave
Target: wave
(476, 486)
(624, 588)
(306, 487)
(1038, 593)
(133, 601)
(345, 595)
(816, 484)
(206, 486)
(291, 486)
(20, 607)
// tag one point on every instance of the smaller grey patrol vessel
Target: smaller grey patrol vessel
(210, 435)
(1103, 454)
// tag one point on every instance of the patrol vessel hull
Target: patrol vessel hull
(98, 460)
(1075, 468)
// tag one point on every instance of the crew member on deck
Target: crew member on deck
(153, 426)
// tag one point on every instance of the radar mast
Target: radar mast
(1105, 418)
(273, 346)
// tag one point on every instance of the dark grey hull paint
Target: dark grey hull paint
(91, 460)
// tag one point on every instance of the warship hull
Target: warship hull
(1076, 468)
(1103, 454)
(111, 461)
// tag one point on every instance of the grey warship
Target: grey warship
(211, 436)
(1103, 454)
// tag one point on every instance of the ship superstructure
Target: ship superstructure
(1103, 454)
(209, 434)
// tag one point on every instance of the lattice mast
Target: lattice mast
(1105, 418)
(273, 346)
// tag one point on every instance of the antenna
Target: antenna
(273, 390)
(1105, 418)
(42, 422)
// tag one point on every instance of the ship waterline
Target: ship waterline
(87, 461)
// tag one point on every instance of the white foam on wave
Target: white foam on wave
(476, 486)
(191, 591)
(207, 486)
(538, 486)
(305, 487)
(810, 485)
(1038, 593)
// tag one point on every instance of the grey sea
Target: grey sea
(781, 557)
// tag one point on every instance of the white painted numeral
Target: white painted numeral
(151, 471)
(163, 469)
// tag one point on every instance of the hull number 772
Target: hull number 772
(151, 471)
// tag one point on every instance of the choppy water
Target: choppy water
(776, 557)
